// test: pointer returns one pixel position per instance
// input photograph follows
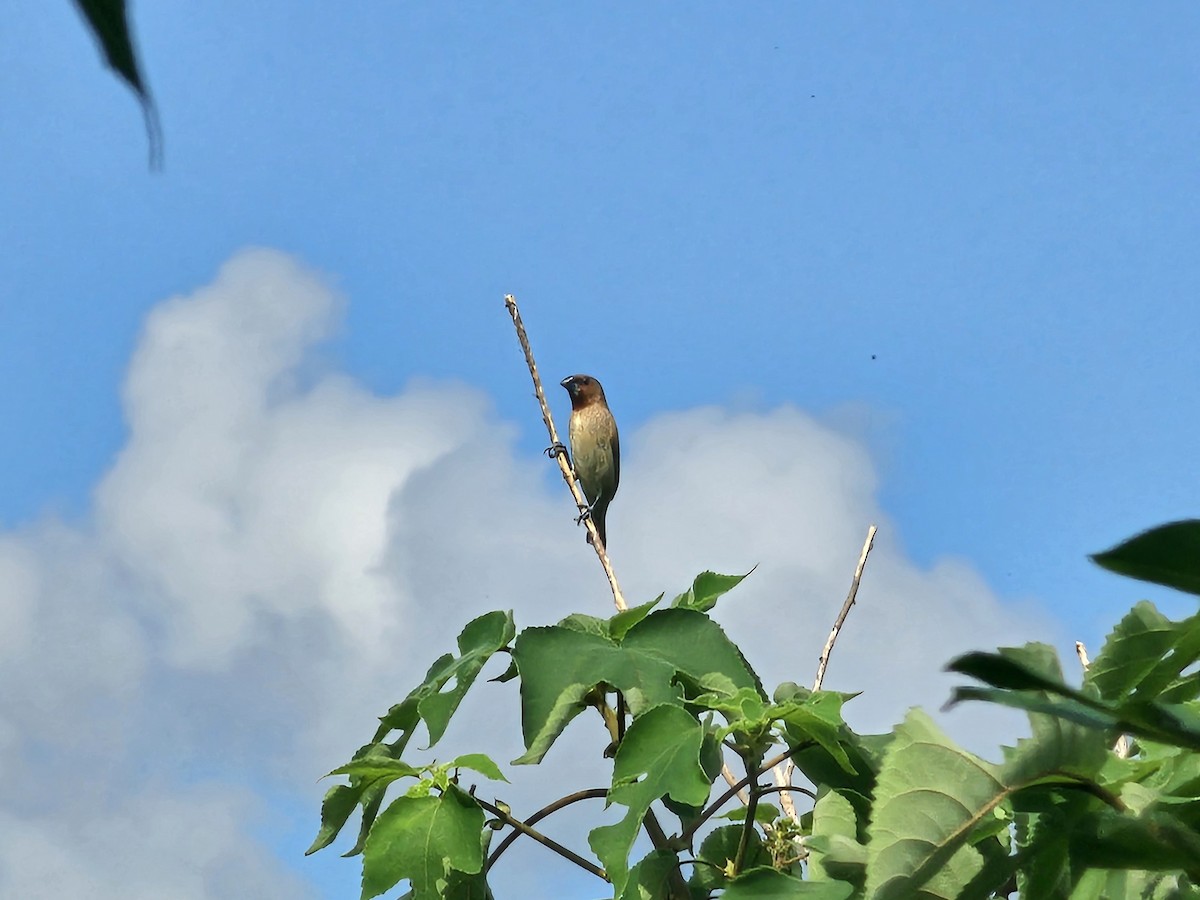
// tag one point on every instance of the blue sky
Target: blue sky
(958, 237)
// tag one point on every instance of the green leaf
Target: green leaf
(1002, 671)
(423, 839)
(481, 638)
(377, 767)
(1167, 555)
(1165, 722)
(1153, 842)
(1104, 884)
(109, 22)
(834, 851)
(1165, 677)
(1131, 651)
(560, 667)
(929, 797)
(650, 879)
(696, 647)
(659, 756)
(619, 625)
(340, 801)
(585, 624)
(707, 589)
(478, 641)
(766, 813)
(370, 800)
(711, 759)
(374, 768)
(507, 675)
(818, 718)
(767, 884)
(866, 754)
(478, 762)
(719, 850)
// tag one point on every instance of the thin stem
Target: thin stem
(748, 827)
(712, 808)
(783, 776)
(560, 803)
(781, 788)
(542, 839)
(555, 450)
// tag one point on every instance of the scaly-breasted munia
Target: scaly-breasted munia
(595, 452)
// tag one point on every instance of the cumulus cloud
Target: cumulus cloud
(277, 554)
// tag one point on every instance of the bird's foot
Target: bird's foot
(556, 449)
(585, 512)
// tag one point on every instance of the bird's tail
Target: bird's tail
(598, 514)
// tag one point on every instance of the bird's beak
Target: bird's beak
(568, 381)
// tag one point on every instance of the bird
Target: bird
(595, 451)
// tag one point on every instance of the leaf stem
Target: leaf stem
(748, 827)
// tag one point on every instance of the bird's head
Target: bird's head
(583, 390)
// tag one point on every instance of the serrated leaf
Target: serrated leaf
(659, 756)
(707, 589)
(365, 790)
(478, 762)
(1002, 671)
(865, 752)
(650, 879)
(560, 667)
(696, 647)
(585, 624)
(1168, 555)
(818, 717)
(372, 768)
(1152, 842)
(619, 625)
(423, 839)
(834, 851)
(766, 813)
(507, 675)
(1165, 722)
(1131, 651)
(478, 641)
(929, 796)
(719, 850)
(767, 884)
(340, 801)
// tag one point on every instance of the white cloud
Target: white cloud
(187, 843)
(277, 554)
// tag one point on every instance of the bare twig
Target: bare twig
(1081, 652)
(542, 839)
(1121, 748)
(510, 302)
(841, 619)
(783, 775)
